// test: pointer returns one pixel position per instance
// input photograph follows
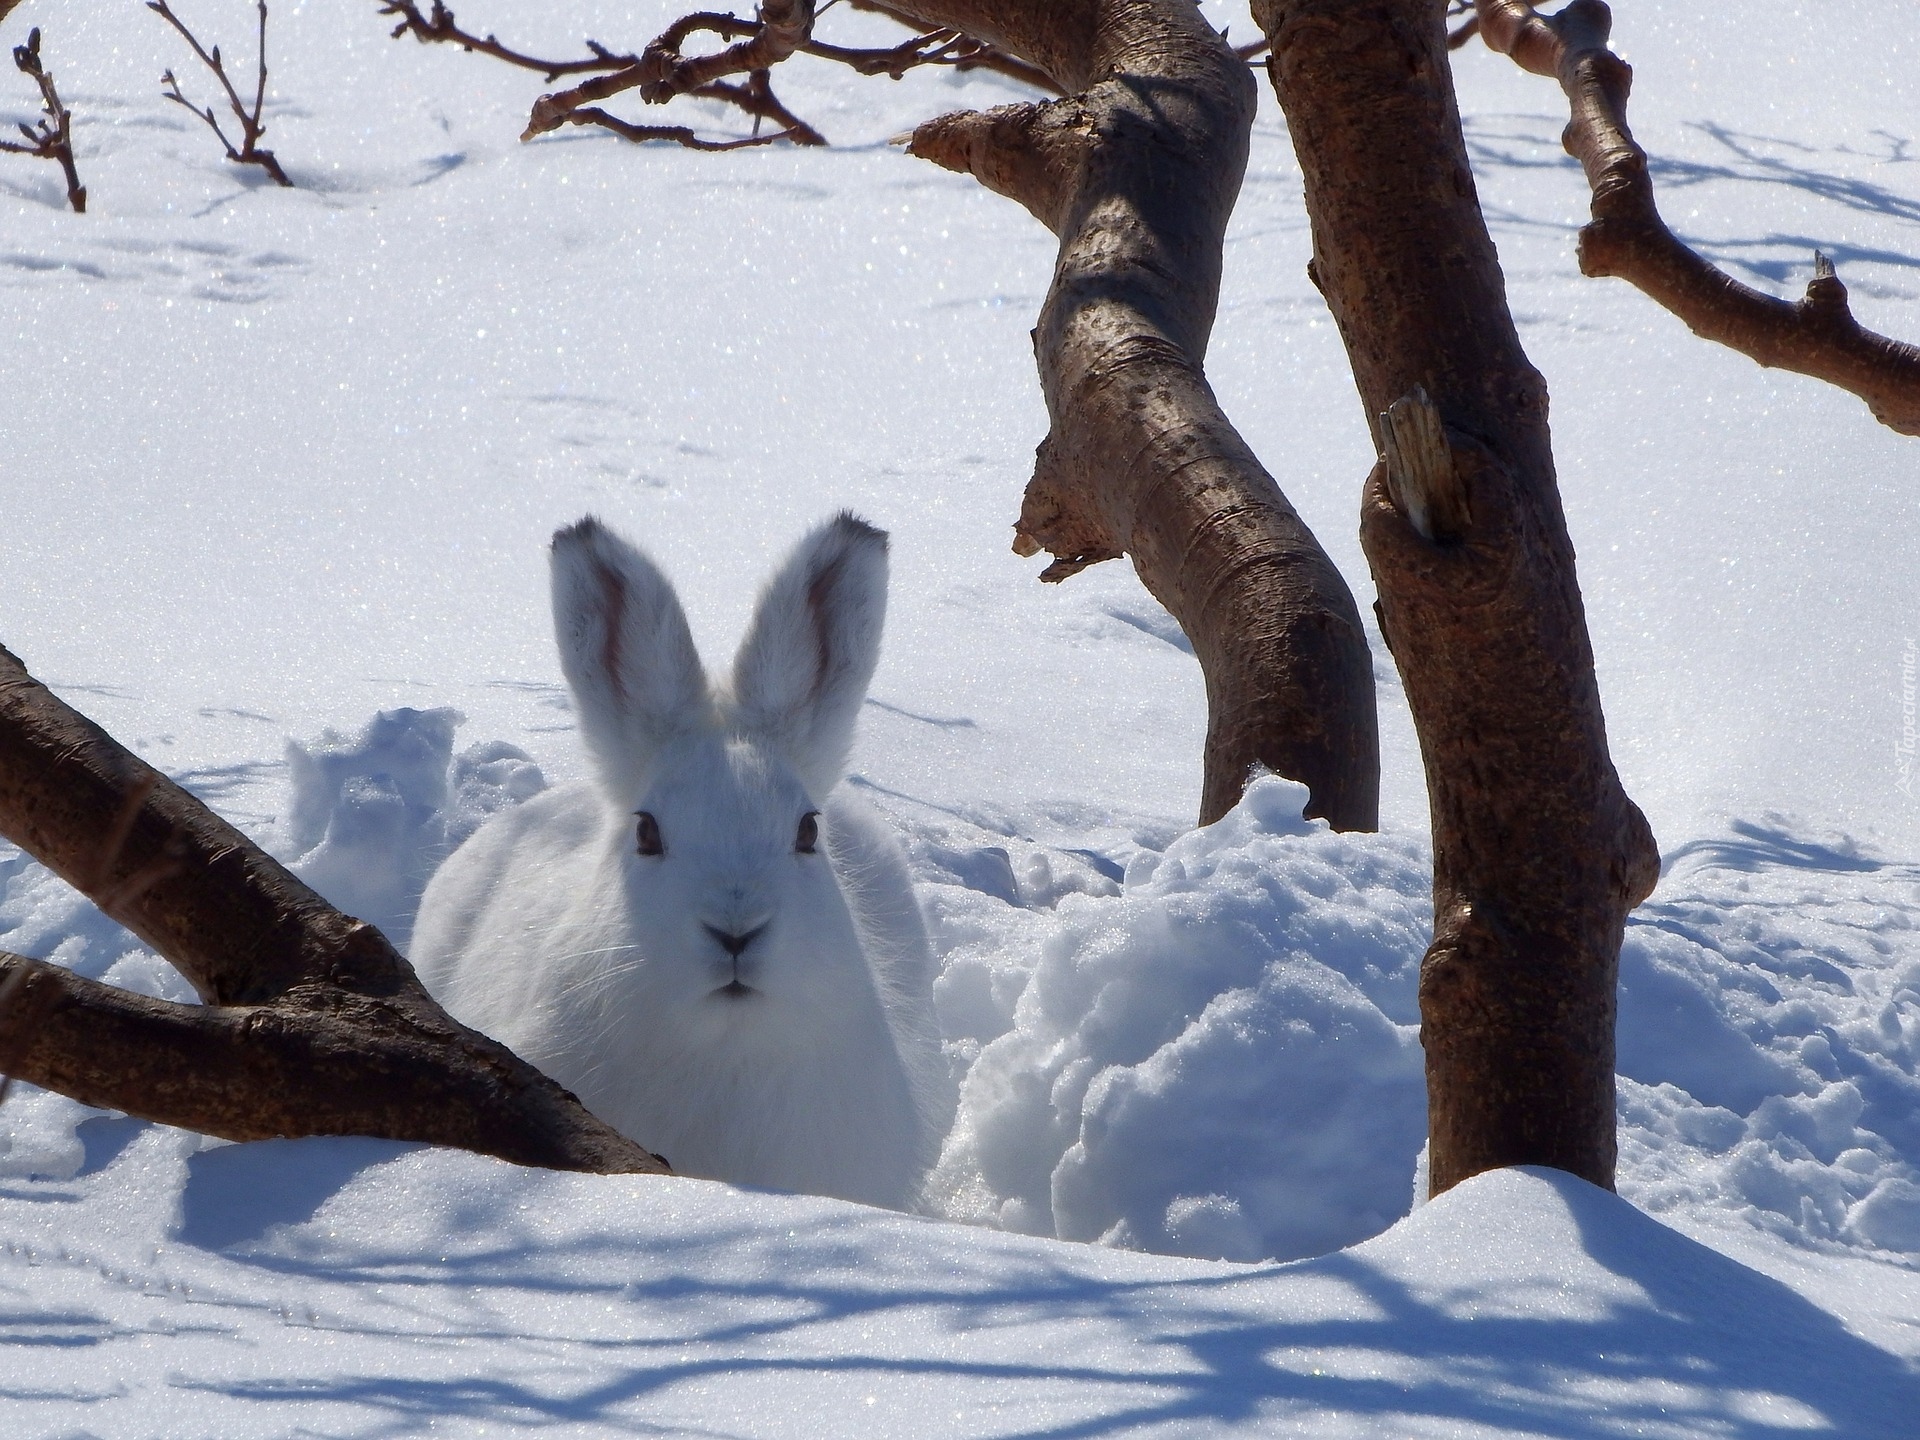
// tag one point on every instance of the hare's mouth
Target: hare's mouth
(735, 990)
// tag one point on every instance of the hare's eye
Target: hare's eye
(809, 835)
(646, 836)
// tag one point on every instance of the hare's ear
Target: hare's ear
(803, 669)
(626, 651)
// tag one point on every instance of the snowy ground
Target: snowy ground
(284, 459)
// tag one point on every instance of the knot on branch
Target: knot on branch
(1028, 153)
(1056, 516)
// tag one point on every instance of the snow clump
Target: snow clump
(1219, 1061)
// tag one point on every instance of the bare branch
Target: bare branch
(1460, 36)
(780, 29)
(10, 987)
(249, 151)
(52, 137)
(440, 26)
(1816, 336)
(679, 134)
(978, 56)
(756, 97)
(663, 72)
(313, 1024)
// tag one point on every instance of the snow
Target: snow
(358, 1287)
(284, 466)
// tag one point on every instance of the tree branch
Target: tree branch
(440, 27)
(52, 137)
(250, 151)
(663, 72)
(1816, 336)
(684, 135)
(969, 52)
(314, 1024)
(1136, 171)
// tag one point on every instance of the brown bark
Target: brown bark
(1817, 336)
(313, 1025)
(1136, 171)
(1538, 852)
(662, 72)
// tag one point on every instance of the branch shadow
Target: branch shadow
(1512, 141)
(1606, 1323)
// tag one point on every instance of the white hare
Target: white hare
(718, 952)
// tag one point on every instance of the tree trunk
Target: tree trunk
(313, 1024)
(1137, 171)
(1538, 852)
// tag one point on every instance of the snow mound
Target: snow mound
(370, 818)
(1220, 1058)
(1218, 1061)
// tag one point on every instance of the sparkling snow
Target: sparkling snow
(282, 465)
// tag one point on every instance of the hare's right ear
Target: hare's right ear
(626, 651)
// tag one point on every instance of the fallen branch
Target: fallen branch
(251, 128)
(313, 1023)
(1815, 336)
(52, 137)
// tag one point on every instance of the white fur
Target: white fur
(600, 965)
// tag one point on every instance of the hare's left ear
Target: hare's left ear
(802, 671)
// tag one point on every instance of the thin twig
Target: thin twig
(679, 134)
(251, 127)
(51, 138)
(982, 56)
(663, 71)
(756, 97)
(439, 25)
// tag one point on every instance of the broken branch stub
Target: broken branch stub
(314, 1024)
(1627, 238)
(1420, 474)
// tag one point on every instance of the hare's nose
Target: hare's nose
(731, 943)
